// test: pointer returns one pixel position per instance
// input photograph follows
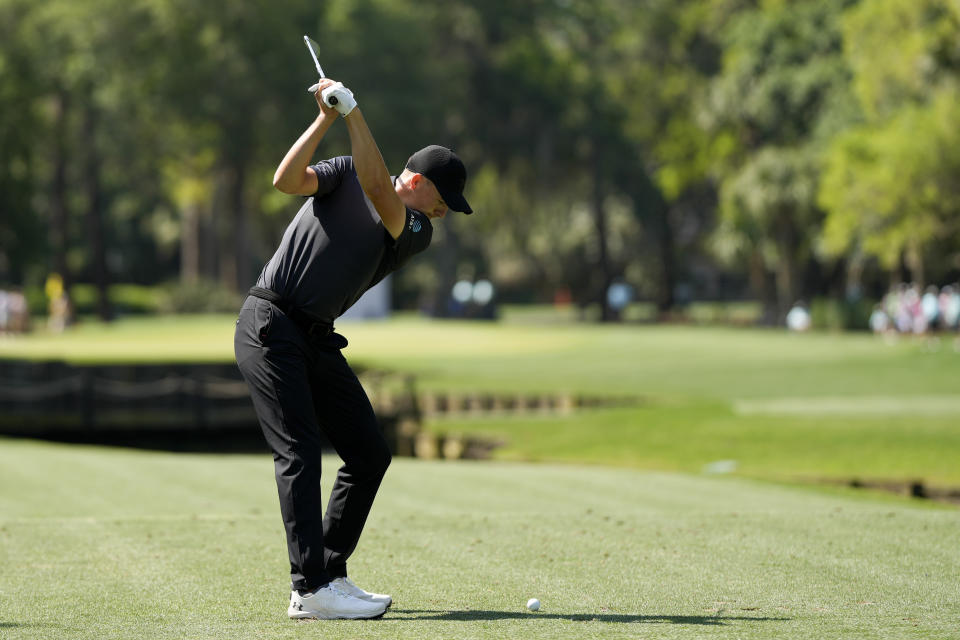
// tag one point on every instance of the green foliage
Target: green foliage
(782, 92)
(202, 296)
(604, 139)
(771, 202)
(21, 234)
(892, 188)
(900, 51)
(724, 313)
(890, 185)
(840, 315)
(781, 69)
(124, 298)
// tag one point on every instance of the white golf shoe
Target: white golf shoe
(332, 603)
(346, 585)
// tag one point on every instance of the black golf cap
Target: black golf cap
(446, 171)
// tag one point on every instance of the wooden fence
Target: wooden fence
(176, 406)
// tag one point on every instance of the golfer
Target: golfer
(357, 226)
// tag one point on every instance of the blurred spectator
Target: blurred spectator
(798, 318)
(562, 298)
(472, 300)
(61, 312)
(891, 306)
(900, 306)
(879, 320)
(930, 308)
(904, 310)
(14, 314)
(619, 295)
(913, 310)
(950, 307)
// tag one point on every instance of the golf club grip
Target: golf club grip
(333, 99)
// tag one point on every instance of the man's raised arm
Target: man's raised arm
(292, 175)
(373, 174)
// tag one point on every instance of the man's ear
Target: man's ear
(415, 180)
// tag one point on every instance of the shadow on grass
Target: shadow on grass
(470, 616)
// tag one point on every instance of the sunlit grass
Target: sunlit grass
(107, 544)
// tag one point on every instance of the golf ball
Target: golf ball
(533, 604)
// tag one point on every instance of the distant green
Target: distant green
(109, 544)
(782, 406)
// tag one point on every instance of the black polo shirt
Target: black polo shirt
(337, 247)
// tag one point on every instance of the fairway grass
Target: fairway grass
(144, 339)
(692, 436)
(102, 544)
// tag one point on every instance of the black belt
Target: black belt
(311, 327)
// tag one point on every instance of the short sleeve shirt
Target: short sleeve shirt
(336, 247)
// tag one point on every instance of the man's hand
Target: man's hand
(317, 91)
(333, 95)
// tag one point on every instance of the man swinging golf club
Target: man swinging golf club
(357, 226)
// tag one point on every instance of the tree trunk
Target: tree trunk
(655, 215)
(59, 214)
(449, 254)
(605, 277)
(190, 242)
(760, 282)
(668, 264)
(913, 258)
(94, 190)
(786, 292)
(786, 271)
(226, 218)
(241, 238)
(210, 258)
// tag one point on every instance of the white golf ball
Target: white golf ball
(533, 604)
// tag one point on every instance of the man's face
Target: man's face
(426, 199)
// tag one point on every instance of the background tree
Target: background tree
(23, 242)
(685, 147)
(781, 95)
(891, 185)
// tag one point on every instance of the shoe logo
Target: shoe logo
(416, 226)
(298, 606)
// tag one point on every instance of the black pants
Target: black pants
(300, 387)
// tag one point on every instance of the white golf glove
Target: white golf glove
(337, 97)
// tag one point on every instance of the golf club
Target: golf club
(313, 47)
